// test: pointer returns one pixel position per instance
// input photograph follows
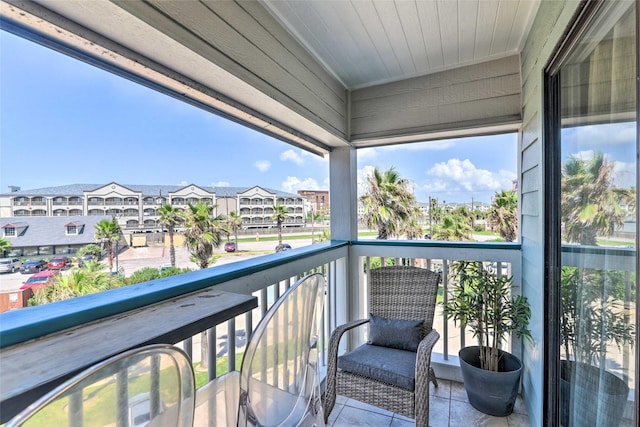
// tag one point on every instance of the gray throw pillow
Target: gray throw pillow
(401, 334)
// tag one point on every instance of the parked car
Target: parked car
(140, 410)
(230, 247)
(164, 267)
(9, 265)
(40, 279)
(85, 259)
(59, 263)
(283, 247)
(33, 266)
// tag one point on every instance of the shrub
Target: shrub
(143, 275)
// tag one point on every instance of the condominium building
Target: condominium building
(136, 206)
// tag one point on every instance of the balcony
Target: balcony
(265, 277)
(32, 333)
(505, 91)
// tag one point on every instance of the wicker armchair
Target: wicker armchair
(402, 293)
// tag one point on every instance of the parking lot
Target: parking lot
(133, 259)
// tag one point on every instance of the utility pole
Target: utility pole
(430, 214)
(312, 226)
(473, 215)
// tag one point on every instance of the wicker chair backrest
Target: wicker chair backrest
(404, 292)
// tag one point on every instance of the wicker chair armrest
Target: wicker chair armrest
(423, 359)
(329, 396)
(426, 345)
(337, 333)
(334, 344)
(423, 372)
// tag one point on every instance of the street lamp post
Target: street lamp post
(117, 266)
(312, 226)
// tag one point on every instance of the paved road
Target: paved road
(133, 259)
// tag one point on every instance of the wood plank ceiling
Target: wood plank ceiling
(365, 43)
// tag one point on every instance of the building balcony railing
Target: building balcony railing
(31, 337)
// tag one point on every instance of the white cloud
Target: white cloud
(462, 175)
(262, 165)
(624, 175)
(370, 153)
(326, 184)
(220, 184)
(598, 135)
(362, 175)
(292, 184)
(292, 156)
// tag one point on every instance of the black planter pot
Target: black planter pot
(590, 396)
(493, 393)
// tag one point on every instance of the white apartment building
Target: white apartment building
(136, 206)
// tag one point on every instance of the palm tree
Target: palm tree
(170, 217)
(234, 222)
(411, 228)
(590, 203)
(503, 214)
(203, 231)
(4, 245)
(388, 202)
(452, 227)
(108, 232)
(279, 215)
(79, 281)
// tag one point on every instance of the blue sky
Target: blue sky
(63, 122)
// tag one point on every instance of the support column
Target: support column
(344, 226)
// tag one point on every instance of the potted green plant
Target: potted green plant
(592, 318)
(482, 301)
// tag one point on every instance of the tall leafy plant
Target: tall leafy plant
(592, 315)
(482, 301)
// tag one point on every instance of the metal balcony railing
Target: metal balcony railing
(28, 336)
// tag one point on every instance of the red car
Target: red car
(58, 263)
(40, 279)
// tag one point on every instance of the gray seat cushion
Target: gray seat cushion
(389, 365)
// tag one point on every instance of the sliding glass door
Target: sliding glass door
(597, 194)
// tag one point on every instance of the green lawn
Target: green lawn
(202, 376)
(99, 400)
(274, 238)
(625, 243)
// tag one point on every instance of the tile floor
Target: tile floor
(449, 407)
